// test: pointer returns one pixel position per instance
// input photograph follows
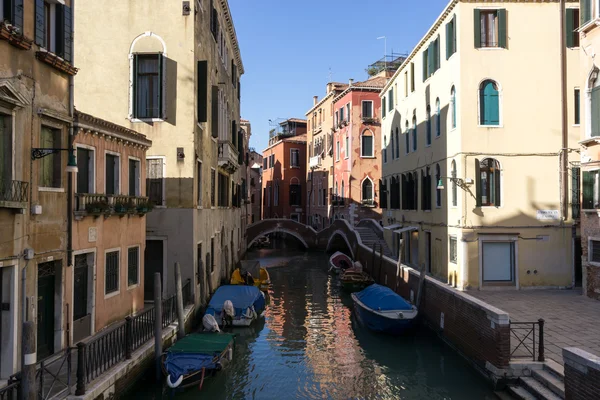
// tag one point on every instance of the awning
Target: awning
(393, 226)
(406, 229)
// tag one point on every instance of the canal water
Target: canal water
(310, 346)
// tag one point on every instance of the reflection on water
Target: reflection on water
(310, 347)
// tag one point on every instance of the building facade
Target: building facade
(36, 55)
(109, 228)
(255, 186)
(173, 75)
(464, 200)
(357, 151)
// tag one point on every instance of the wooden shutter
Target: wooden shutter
(67, 33)
(586, 11)
(431, 56)
(162, 78)
(498, 189)
(202, 88)
(477, 184)
(425, 61)
(569, 34)
(587, 186)
(502, 28)
(448, 40)
(596, 111)
(454, 34)
(215, 111)
(134, 93)
(437, 53)
(575, 189)
(17, 14)
(239, 89)
(40, 22)
(477, 27)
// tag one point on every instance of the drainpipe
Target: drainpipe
(563, 94)
(71, 140)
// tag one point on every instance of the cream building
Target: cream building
(472, 129)
(171, 73)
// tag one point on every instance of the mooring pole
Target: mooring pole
(180, 319)
(157, 323)
(28, 382)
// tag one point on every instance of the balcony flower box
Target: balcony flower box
(144, 207)
(121, 208)
(97, 208)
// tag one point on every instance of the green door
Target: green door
(45, 310)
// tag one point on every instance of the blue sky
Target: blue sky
(289, 46)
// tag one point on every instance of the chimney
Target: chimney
(315, 98)
(350, 82)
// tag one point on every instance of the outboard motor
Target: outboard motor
(228, 313)
(210, 323)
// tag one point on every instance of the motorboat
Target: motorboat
(339, 262)
(236, 305)
(355, 279)
(252, 274)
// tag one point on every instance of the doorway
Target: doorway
(82, 296)
(153, 262)
(45, 309)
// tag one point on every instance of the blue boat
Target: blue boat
(380, 309)
(248, 304)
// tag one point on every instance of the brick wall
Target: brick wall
(590, 228)
(582, 375)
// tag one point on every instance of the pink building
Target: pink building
(357, 151)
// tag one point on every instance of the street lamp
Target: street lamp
(37, 153)
(462, 183)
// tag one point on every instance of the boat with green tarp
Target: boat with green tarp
(196, 357)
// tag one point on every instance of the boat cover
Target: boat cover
(194, 352)
(382, 298)
(242, 297)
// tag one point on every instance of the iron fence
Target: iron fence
(528, 340)
(142, 327)
(12, 391)
(103, 352)
(14, 191)
(54, 375)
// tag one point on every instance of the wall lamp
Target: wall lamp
(462, 183)
(36, 154)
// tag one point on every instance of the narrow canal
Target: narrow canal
(310, 346)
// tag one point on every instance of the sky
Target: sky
(290, 48)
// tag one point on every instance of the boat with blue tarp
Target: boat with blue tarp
(236, 305)
(380, 309)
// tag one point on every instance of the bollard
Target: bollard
(157, 324)
(179, 298)
(80, 389)
(541, 357)
(28, 382)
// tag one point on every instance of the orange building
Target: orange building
(284, 172)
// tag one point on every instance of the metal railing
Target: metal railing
(12, 390)
(529, 341)
(15, 191)
(52, 381)
(102, 353)
(92, 203)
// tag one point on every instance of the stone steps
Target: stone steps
(543, 384)
(369, 237)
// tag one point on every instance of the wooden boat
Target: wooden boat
(195, 358)
(238, 305)
(339, 262)
(380, 309)
(251, 274)
(354, 280)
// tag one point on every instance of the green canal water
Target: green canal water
(310, 346)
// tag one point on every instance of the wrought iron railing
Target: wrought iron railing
(12, 390)
(54, 375)
(142, 328)
(103, 352)
(15, 191)
(528, 340)
(96, 204)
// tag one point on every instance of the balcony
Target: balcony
(14, 194)
(228, 156)
(370, 203)
(97, 205)
(314, 162)
(369, 120)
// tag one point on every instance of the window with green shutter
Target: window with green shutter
(147, 85)
(571, 25)
(577, 107)
(490, 28)
(489, 104)
(596, 111)
(575, 192)
(589, 188)
(451, 37)
(202, 86)
(586, 11)
(425, 64)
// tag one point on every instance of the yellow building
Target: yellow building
(479, 193)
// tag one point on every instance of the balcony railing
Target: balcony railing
(228, 156)
(314, 162)
(369, 120)
(368, 203)
(100, 204)
(13, 194)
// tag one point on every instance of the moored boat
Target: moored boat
(251, 274)
(236, 305)
(339, 262)
(355, 279)
(380, 309)
(196, 357)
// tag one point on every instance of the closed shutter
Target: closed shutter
(215, 111)
(448, 40)
(586, 11)
(569, 34)
(575, 192)
(239, 89)
(497, 188)
(202, 85)
(477, 27)
(437, 53)
(502, 28)
(431, 57)
(596, 111)
(477, 184)
(587, 186)
(67, 35)
(134, 94)
(17, 18)
(454, 34)
(162, 77)
(425, 61)
(40, 22)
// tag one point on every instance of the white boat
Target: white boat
(339, 262)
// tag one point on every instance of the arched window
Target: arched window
(454, 185)
(438, 118)
(384, 150)
(414, 132)
(488, 188)
(295, 192)
(397, 144)
(489, 103)
(438, 192)
(428, 134)
(147, 62)
(453, 106)
(366, 144)
(407, 136)
(367, 191)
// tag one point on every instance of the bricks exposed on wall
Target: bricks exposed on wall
(582, 375)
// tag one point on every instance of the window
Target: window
(50, 166)
(6, 151)
(85, 170)
(133, 263)
(594, 251)
(451, 37)
(414, 133)
(453, 249)
(426, 189)
(111, 272)
(147, 86)
(276, 194)
(367, 191)
(213, 179)
(571, 27)
(342, 114)
(155, 180)
(489, 104)
(397, 145)
(490, 28)
(383, 193)
(111, 175)
(295, 158)
(202, 91)
(438, 118)
(199, 182)
(53, 26)
(431, 58)
(577, 107)
(453, 106)
(348, 112)
(384, 151)
(199, 264)
(391, 99)
(223, 190)
(426, 64)
(367, 109)
(212, 255)
(383, 107)
(412, 77)
(134, 178)
(428, 133)
(487, 173)
(337, 118)
(406, 84)
(454, 185)
(265, 163)
(337, 151)
(586, 11)
(295, 195)
(12, 12)
(407, 138)
(272, 160)
(575, 192)
(438, 192)
(366, 144)
(591, 190)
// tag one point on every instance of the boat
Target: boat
(237, 305)
(195, 358)
(252, 274)
(339, 262)
(380, 309)
(355, 279)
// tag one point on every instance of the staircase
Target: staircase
(369, 237)
(543, 384)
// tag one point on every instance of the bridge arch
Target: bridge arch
(339, 234)
(305, 234)
(280, 230)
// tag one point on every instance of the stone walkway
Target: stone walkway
(571, 320)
